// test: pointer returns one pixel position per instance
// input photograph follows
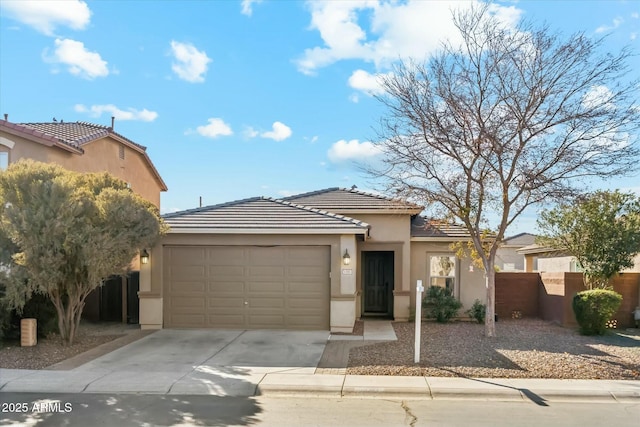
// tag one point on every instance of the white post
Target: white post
(418, 321)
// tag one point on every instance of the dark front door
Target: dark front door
(377, 282)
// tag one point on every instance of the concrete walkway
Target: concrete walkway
(162, 369)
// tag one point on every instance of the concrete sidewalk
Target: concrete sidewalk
(302, 382)
(243, 363)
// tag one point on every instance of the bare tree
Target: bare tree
(509, 118)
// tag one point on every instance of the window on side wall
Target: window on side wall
(442, 271)
(4, 160)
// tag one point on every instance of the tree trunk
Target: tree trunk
(489, 321)
(68, 318)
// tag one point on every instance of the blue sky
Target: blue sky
(236, 99)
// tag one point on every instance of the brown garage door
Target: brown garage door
(247, 287)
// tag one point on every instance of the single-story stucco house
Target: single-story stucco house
(316, 260)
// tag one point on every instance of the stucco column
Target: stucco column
(150, 299)
(402, 296)
(343, 306)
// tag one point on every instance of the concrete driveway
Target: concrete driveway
(218, 362)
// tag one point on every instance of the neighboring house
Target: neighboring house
(82, 147)
(87, 147)
(508, 258)
(317, 260)
(547, 260)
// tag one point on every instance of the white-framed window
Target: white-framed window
(443, 271)
(4, 160)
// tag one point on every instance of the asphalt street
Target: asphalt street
(121, 410)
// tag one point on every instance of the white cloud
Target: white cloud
(216, 127)
(279, 132)
(247, 6)
(79, 61)
(143, 115)
(371, 84)
(250, 132)
(45, 16)
(598, 97)
(354, 150)
(311, 140)
(396, 30)
(190, 63)
(615, 24)
(635, 15)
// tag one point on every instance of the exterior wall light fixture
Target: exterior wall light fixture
(346, 259)
(144, 257)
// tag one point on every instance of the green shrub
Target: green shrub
(440, 304)
(38, 307)
(594, 308)
(477, 311)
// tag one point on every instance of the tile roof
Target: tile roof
(539, 249)
(73, 135)
(521, 239)
(351, 200)
(76, 133)
(427, 227)
(261, 213)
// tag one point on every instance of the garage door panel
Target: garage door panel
(267, 321)
(266, 271)
(266, 287)
(189, 271)
(266, 256)
(188, 287)
(190, 255)
(191, 303)
(188, 320)
(226, 256)
(266, 303)
(220, 271)
(222, 303)
(306, 287)
(226, 287)
(309, 271)
(247, 287)
(222, 320)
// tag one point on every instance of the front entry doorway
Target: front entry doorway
(377, 283)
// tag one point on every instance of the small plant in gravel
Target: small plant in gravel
(439, 303)
(594, 308)
(477, 311)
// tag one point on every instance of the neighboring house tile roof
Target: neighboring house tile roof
(431, 228)
(536, 249)
(77, 133)
(351, 200)
(71, 136)
(262, 214)
(520, 240)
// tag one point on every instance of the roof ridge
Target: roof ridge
(211, 207)
(311, 193)
(320, 211)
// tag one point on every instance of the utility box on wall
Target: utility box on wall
(28, 332)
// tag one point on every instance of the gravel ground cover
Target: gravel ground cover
(524, 348)
(51, 350)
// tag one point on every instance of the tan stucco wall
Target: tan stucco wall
(389, 232)
(555, 264)
(101, 155)
(470, 286)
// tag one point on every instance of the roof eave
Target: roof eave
(37, 137)
(143, 151)
(292, 231)
(450, 239)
